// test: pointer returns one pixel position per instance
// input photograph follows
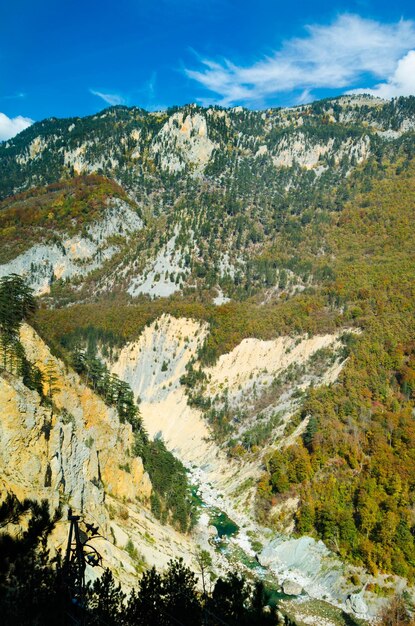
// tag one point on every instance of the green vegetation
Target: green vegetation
(354, 469)
(16, 305)
(40, 214)
(171, 499)
(169, 479)
(114, 391)
(34, 589)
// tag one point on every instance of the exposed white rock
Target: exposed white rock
(82, 164)
(154, 363)
(227, 266)
(308, 564)
(389, 134)
(164, 275)
(34, 149)
(296, 149)
(75, 255)
(257, 362)
(357, 604)
(291, 588)
(183, 141)
(261, 151)
(136, 136)
(220, 298)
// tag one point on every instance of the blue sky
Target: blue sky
(65, 57)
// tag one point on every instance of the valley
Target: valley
(220, 352)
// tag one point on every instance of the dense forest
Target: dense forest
(353, 470)
(298, 248)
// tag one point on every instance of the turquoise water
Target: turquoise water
(224, 525)
(275, 596)
(197, 500)
(228, 528)
(249, 561)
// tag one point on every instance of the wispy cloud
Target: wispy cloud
(146, 95)
(401, 83)
(338, 55)
(10, 126)
(15, 96)
(110, 98)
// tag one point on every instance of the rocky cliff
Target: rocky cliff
(75, 452)
(211, 186)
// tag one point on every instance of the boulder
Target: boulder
(291, 588)
(212, 530)
(356, 603)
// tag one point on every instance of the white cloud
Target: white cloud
(401, 83)
(334, 56)
(10, 126)
(110, 98)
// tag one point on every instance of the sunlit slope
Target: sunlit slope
(212, 187)
(354, 466)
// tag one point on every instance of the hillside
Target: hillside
(70, 448)
(251, 276)
(368, 284)
(211, 186)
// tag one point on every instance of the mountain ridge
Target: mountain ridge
(212, 186)
(292, 223)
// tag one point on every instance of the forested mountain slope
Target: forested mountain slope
(294, 223)
(210, 187)
(352, 467)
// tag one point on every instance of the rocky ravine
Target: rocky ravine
(75, 455)
(153, 365)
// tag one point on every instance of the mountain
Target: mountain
(211, 186)
(250, 275)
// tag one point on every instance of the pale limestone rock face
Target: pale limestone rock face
(114, 479)
(78, 159)
(78, 455)
(76, 255)
(291, 588)
(159, 278)
(295, 149)
(154, 364)
(169, 341)
(183, 141)
(75, 452)
(34, 149)
(261, 151)
(258, 362)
